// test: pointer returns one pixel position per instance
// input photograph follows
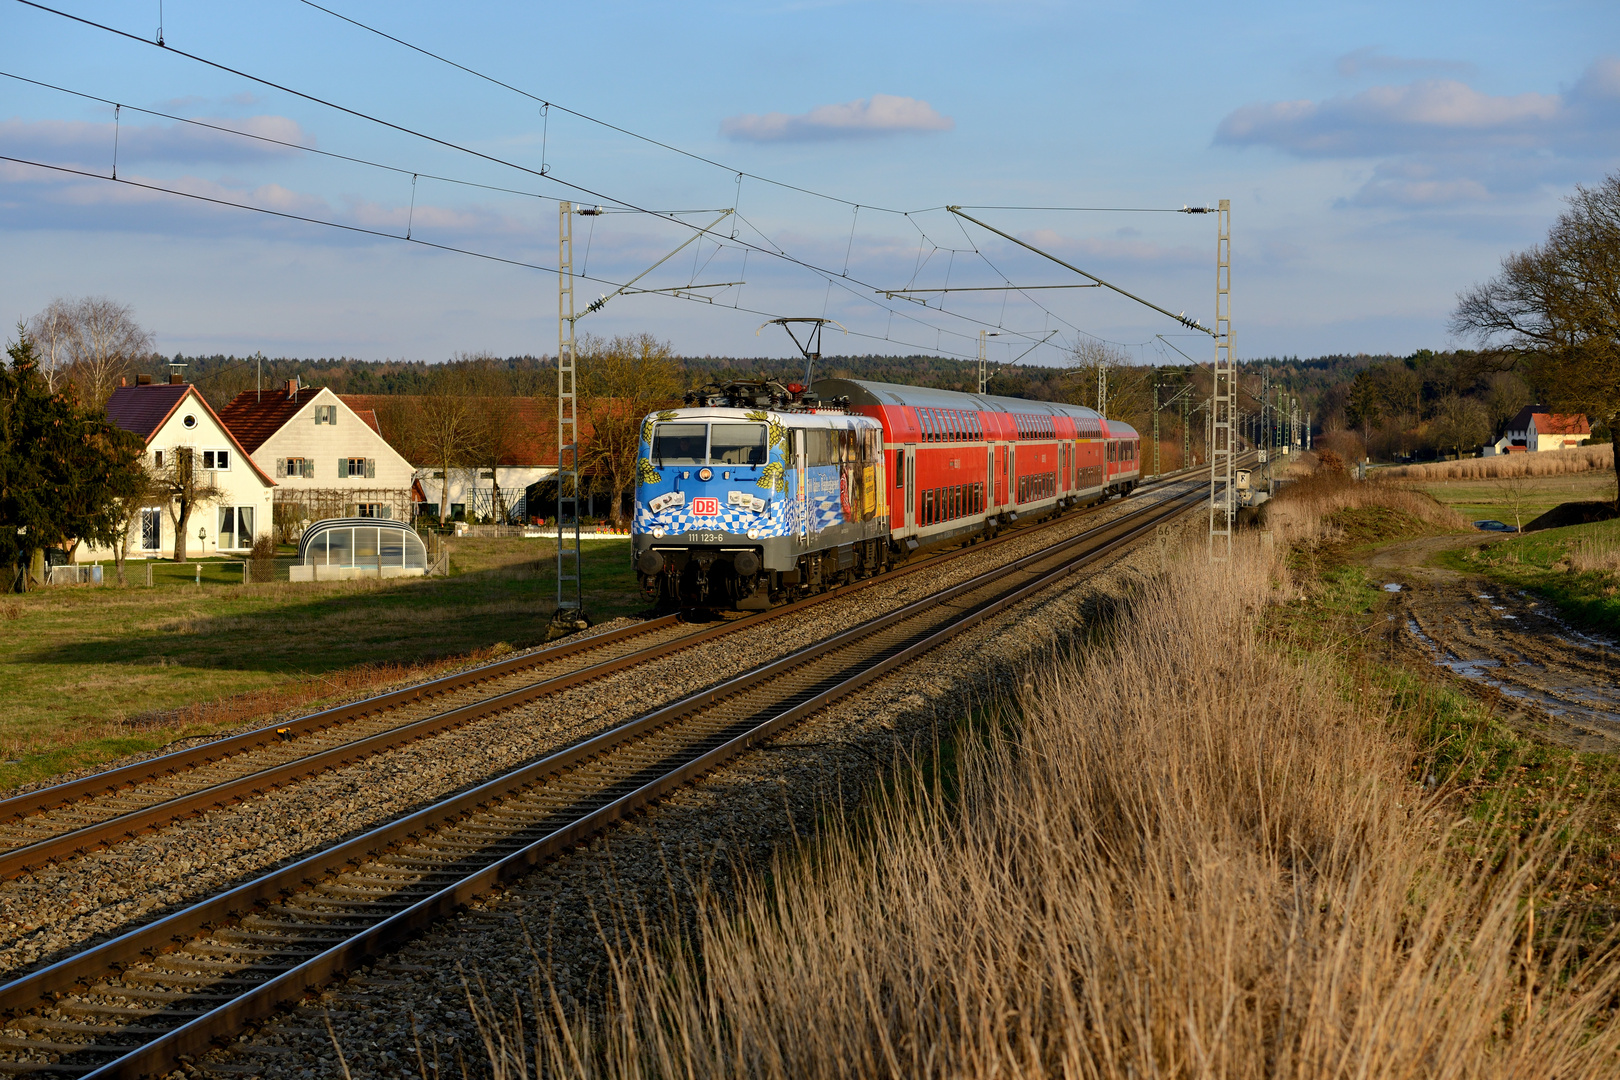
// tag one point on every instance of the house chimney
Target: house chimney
(292, 387)
(175, 379)
(122, 381)
(143, 380)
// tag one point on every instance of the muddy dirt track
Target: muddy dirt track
(1510, 645)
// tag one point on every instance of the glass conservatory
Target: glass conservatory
(359, 547)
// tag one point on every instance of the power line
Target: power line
(779, 252)
(450, 248)
(593, 119)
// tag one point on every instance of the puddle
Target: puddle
(1593, 704)
(1393, 586)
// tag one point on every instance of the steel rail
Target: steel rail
(196, 1032)
(119, 827)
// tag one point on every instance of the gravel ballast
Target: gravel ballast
(735, 819)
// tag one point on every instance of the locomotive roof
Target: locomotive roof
(862, 392)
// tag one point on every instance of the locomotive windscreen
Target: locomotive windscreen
(737, 444)
(679, 444)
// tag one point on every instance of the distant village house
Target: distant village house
(175, 419)
(329, 460)
(1535, 429)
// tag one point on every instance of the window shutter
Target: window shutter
(281, 466)
(309, 468)
(343, 467)
(371, 468)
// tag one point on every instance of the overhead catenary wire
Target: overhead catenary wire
(384, 235)
(774, 249)
(779, 252)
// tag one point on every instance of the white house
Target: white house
(1534, 429)
(174, 419)
(328, 460)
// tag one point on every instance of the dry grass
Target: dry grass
(1546, 463)
(1304, 509)
(1595, 554)
(1190, 858)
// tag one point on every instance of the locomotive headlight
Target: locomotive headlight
(705, 474)
(753, 534)
(658, 534)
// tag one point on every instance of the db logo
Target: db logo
(705, 507)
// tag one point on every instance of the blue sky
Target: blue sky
(1379, 157)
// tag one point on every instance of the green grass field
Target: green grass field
(91, 673)
(1480, 499)
(1547, 561)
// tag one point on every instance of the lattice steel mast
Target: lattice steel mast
(1223, 399)
(570, 588)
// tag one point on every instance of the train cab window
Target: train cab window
(680, 444)
(737, 444)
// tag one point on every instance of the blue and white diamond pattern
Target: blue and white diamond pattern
(771, 522)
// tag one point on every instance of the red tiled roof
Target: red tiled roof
(254, 415)
(368, 417)
(1562, 424)
(143, 409)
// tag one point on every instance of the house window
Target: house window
(357, 467)
(326, 414)
(152, 528)
(296, 466)
(217, 460)
(157, 458)
(374, 510)
(235, 527)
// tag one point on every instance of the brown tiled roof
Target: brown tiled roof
(536, 423)
(143, 409)
(368, 417)
(254, 415)
(1562, 424)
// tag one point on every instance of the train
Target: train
(757, 493)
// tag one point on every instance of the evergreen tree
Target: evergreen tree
(63, 468)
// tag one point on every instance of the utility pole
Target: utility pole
(1223, 398)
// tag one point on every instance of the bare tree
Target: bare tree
(1460, 422)
(1557, 305)
(182, 485)
(497, 423)
(55, 332)
(445, 427)
(623, 380)
(127, 509)
(1515, 491)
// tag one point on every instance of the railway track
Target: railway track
(63, 821)
(157, 995)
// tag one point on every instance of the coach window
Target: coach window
(928, 507)
(680, 444)
(899, 468)
(737, 444)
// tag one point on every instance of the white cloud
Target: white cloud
(880, 114)
(1436, 141)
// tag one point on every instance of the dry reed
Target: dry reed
(1189, 858)
(1302, 511)
(1546, 463)
(1595, 554)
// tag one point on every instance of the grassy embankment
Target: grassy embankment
(1577, 568)
(88, 674)
(1241, 835)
